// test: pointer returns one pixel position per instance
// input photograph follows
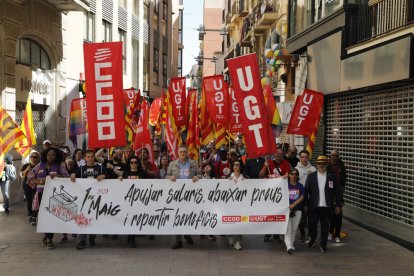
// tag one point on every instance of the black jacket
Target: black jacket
(332, 191)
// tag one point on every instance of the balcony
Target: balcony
(265, 16)
(74, 5)
(379, 18)
(247, 30)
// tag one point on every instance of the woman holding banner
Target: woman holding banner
(236, 176)
(296, 197)
(51, 165)
(134, 171)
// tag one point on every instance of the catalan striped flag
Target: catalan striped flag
(24, 147)
(193, 135)
(10, 134)
(206, 126)
(220, 134)
(272, 110)
(132, 118)
(164, 108)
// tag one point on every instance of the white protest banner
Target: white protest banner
(163, 207)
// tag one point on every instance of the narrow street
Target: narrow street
(361, 253)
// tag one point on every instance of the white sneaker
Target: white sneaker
(237, 246)
(329, 237)
(231, 241)
(337, 240)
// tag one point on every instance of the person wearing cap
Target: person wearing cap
(46, 144)
(321, 196)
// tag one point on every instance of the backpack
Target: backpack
(10, 172)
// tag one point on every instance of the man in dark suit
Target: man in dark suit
(322, 194)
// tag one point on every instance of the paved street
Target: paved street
(362, 253)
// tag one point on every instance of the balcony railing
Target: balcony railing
(375, 20)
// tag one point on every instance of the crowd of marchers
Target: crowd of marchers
(315, 192)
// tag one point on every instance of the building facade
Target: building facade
(32, 58)
(41, 54)
(359, 54)
(256, 27)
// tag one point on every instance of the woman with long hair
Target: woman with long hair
(236, 176)
(51, 165)
(134, 171)
(296, 197)
(163, 166)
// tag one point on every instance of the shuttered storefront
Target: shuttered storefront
(374, 133)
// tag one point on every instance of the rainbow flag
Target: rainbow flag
(78, 124)
(272, 111)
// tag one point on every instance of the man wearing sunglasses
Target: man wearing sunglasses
(321, 196)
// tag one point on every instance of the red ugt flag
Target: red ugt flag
(217, 98)
(103, 72)
(178, 99)
(244, 72)
(306, 113)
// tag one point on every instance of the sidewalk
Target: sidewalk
(361, 253)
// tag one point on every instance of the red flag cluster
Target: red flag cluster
(222, 110)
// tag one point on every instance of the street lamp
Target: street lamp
(202, 31)
(200, 59)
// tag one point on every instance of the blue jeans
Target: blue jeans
(5, 190)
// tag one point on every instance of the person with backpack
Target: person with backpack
(8, 175)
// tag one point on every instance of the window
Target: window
(135, 7)
(164, 28)
(146, 68)
(146, 12)
(156, 65)
(180, 27)
(164, 70)
(180, 62)
(156, 6)
(165, 11)
(107, 31)
(122, 37)
(122, 3)
(135, 64)
(89, 27)
(31, 53)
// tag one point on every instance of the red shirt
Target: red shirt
(221, 169)
(284, 168)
